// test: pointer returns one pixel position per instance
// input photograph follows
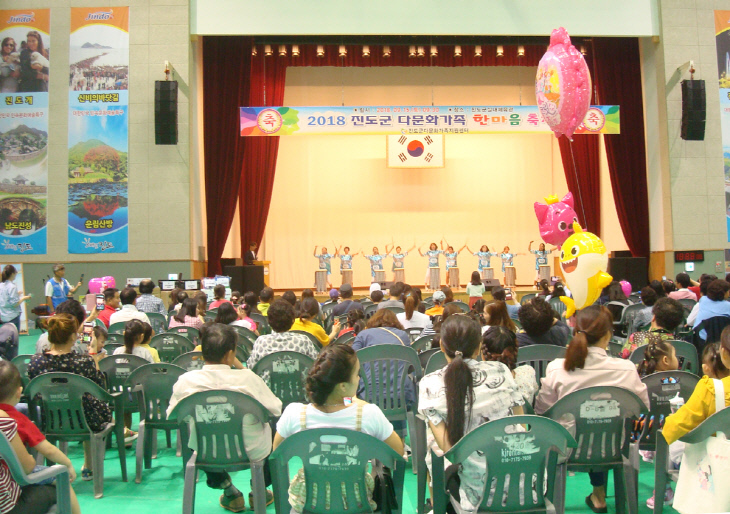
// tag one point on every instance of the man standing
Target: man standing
(147, 302)
(250, 254)
(58, 289)
(129, 311)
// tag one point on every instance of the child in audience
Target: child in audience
(134, 331)
(266, 295)
(145, 344)
(331, 386)
(244, 318)
(500, 344)
(308, 310)
(219, 292)
(22, 434)
(98, 340)
(712, 365)
(475, 289)
(252, 300)
(187, 316)
(355, 324)
(659, 355)
(235, 297)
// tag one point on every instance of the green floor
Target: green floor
(161, 489)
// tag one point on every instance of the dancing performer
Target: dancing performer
(485, 260)
(433, 258)
(451, 256)
(540, 258)
(345, 258)
(324, 263)
(376, 261)
(398, 264)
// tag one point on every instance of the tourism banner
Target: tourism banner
(722, 45)
(391, 120)
(98, 220)
(24, 71)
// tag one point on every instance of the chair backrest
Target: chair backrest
(213, 312)
(414, 333)
(687, 304)
(615, 348)
(539, 356)
(310, 336)
(436, 362)
(170, 345)
(335, 460)
(519, 462)
(110, 347)
(347, 338)
(384, 373)
(422, 343)
(158, 322)
(628, 316)
(425, 355)
(558, 306)
(526, 298)
(22, 362)
(61, 403)
(218, 419)
(190, 361)
(262, 322)
(153, 384)
(714, 327)
(718, 422)
(285, 373)
(244, 333)
(370, 310)
(117, 369)
(603, 419)
(461, 305)
(662, 387)
(193, 334)
(116, 328)
(396, 310)
(687, 356)
(114, 339)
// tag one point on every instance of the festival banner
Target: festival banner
(722, 45)
(24, 71)
(362, 120)
(98, 220)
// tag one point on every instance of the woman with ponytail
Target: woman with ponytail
(500, 344)
(588, 364)
(10, 298)
(460, 397)
(411, 318)
(659, 355)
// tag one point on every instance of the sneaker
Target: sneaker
(269, 498)
(86, 474)
(647, 456)
(233, 503)
(129, 435)
(668, 498)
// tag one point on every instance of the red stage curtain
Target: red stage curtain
(226, 67)
(584, 180)
(259, 160)
(618, 82)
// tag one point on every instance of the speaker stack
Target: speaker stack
(693, 110)
(166, 112)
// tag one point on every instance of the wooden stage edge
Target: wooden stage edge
(459, 294)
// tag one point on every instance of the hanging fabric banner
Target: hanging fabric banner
(98, 220)
(722, 46)
(24, 70)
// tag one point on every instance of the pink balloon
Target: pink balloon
(563, 85)
(556, 218)
(626, 287)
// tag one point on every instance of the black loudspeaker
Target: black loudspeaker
(633, 269)
(245, 278)
(489, 283)
(166, 112)
(693, 110)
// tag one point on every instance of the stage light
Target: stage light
(267, 51)
(253, 51)
(421, 52)
(478, 51)
(434, 51)
(295, 50)
(500, 51)
(457, 51)
(386, 51)
(520, 51)
(583, 50)
(343, 51)
(365, 51)
(282, 50)
(320, 51)
(411, 51)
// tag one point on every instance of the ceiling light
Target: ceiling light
(434, 51)
(365, 51)
(386, 51)
(267, 51)
(320, 51)
(478, 51)
(411, 51)
(343, 51)
(500, 51)
(282, 50)
(520, 51)
(295, 50)
(457, 51)
(253, 51)
(583, 50)
(421, 52)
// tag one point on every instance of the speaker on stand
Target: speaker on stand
(693, 110)
(166, 112)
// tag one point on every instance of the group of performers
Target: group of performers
(432, 254)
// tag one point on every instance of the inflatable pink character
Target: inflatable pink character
(556, 218)
(97, 285)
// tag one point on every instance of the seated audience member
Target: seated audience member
(500, 344)
(713, 304)
(281, 319)
(479, 309)
(334, 296)
(448, 293)
(9, 341)
(667, 314)
(290, 297)
(75, 309)
(439, 298)
(705, 281)
(244, 318)
(147, 302)
(266, 296)
(500, 295)
(148, 332)
(496, 315)
(541, 325)
(659, 355)
(23, 434)
(331, 386)
(695, 287)
(111, 305)
(219, 352)
(712, 364)
(202, 300)
(376, 296)
(134, 331)
(347, 303)
(588, 364)
(419, 296)
(648, 299)
(228, 315)
(173, 299)
(411, 318)
(435, 328)
(181, 297)
(129, 311)
(252, 300)
(558, 291)
(187, 316)
(658, 288)
(235, 297)
(669, 287)
(62, 333)
(617, 300)
(308, 311)
(683, 293)
(544, 288)
(394, 293)
(219, 295)
(460, 397)
(355, 324)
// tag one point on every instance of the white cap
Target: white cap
(375, 286)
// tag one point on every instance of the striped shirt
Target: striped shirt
(9, 488)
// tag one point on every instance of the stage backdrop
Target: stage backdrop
(98, 130)
(337, 189)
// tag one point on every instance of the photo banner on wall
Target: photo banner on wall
(722, 45)
(24, 71)
(98, 221)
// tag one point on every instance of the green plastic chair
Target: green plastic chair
(436, 362)
(422, 343)
(190, 361)
(686, 355)
(526, 298)
(193, 334)
(110, 347)
(526, 458)
(347, 338)
(57, 398)
(62, 483)
(615, 348)
(603, 445)
(22, 362)
(370, 310)
(244, 333)
(310, 336)
(718, 422)
(414, 333)
(158, 322)
(461, 305)
(396, 310)
(425, 355)
(285, 374)
(117, 369)
(117, 328)
(539, 356)
(114, 339)
(335, 460)
(217, 418)
(262, 323)
(213, 312)
(99, 323)
(687, 305)
(170, 346)
(152, 384)
(558, 306)
(628, 317)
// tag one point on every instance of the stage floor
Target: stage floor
(459, 294)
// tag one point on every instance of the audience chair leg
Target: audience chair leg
(558, 498)
(413, 436)
(619, 485)
(178, 453)
(190, 483)
(140, 452)
(259, 486)
(660, 472)
(98, 448)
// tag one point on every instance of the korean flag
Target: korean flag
(416, 151)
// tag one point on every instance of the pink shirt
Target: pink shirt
(218, 303)
(683, 294)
